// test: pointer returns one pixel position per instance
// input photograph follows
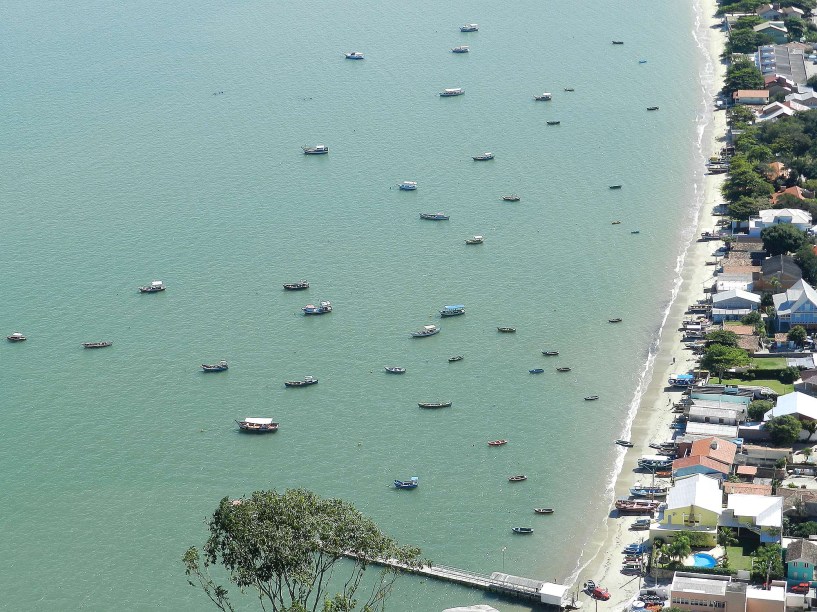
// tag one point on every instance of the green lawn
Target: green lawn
(774, 384)
(775, 363)
(740, 555)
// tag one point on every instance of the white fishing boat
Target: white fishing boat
(453, 91)
(426, 330)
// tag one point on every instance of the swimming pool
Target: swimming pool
(704, 560)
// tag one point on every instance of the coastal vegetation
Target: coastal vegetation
(720, 357)
(784, 430)
(783, 238)
(768, 563)
(289, 550)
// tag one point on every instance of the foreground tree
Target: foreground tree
(758, 408)
(784, 430)
(742, 74)
(797, 334)
(680, 547)
(287, 547)
(768, 563)
(722, 336)
(719, 358)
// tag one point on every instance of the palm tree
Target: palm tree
(727, 537)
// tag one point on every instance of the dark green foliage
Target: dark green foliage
(740, 115)
(758, 408)
(797, 334)
(753, 318)
(747, 41)
(742, 74)
(784, 430)
(795, 26)
(807, 260)
(803, 530)
(722, 336)
(768, 563)
(789, 375)
(745, 181)
(719, 358)
(783, 238)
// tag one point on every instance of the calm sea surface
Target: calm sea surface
(121, 166)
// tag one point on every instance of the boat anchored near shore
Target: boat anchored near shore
(307, 380)
(215, 367)
(451, 92)
(434, 404)
(257, 425)
(425, 330)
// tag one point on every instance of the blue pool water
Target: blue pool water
(704, 560)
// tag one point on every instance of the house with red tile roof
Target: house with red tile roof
(708, 456)
(755, 97)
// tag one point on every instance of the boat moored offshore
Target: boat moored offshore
(469, 27)
(461, 49)
(425, 330)
(483, 156)
(475, 240)
(299, 286)
(307, 380)
(411, 483)
(354, 55)
(453, 310)
(543, 97)
(434, 404)
(434, 216)
(96, 345)
(408, 185)
(257, 425)
(316, 150)
(153, 287)
(394, 369)
(215, 367)
(452, 91)
(16, 337)
(323, 307)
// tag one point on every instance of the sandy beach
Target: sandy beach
(654, 413)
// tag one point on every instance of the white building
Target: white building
(760, 514)
(734, 304)
(803, 406)
(767, 218)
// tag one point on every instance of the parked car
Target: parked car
(803, 588)
(600, 593)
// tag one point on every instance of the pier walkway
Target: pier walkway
(498, 582)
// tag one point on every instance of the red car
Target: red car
(600, 593)
(803, 588)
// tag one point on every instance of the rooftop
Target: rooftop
(795, 403)
(719, 450)
(699, 584)
(802, 550)
(748, 488)
(767, 511)
(712, 464)
(698, 490)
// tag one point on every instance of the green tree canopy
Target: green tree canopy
(758, 408)
(796, 27)
(285, 548)
(745, 181)
(789, 374)
(746, 40)
(719, 358)
(740, 114)
(745, 208)
(797, 334)
(784, 430)
(807, 260)
(679, 547)
(782, 238)
(722, 336)
(742, 74)
(804, 530)
(768, 563)
(753, 318)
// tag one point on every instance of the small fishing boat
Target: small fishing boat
(635, 232)
(642, 61)
(308, 380)
(497, 442)
(453, 311)
(543, 98)
(517, 478)
(455, 358)
(16, 337)
(394, 369)
(591, 398)
(636, 506)
(563, 369)
(153, 287)
(354, 55)
(553, 122)
(652, 108)
(569, 89)
(426, 330)
(475, 240)
(411, 483)
(323, 307)
(483, 157)
(537, 371)
(615, 186)
(615, 223)
(506, 330)
(648, 491)
(550, 353)
(511, 198)
(469, 27)
(618, 42)
(299, 286)
(257, 425)
(215, 367)
(316, 150)
(522, 530)
(616, 320)
(96, 345)
(453, 91)
(434, 216)
(434, 404)
(625, 443)
(543, 510)
(408, 186)
(655, 446)
(460, 49)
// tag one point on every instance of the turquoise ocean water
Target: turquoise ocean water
(120, 166)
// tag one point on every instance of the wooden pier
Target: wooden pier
(498, 582)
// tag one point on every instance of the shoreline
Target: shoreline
(654, 412)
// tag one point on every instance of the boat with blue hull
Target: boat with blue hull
(682, 380)
(354, 55)
(650, 491)
(323, 307)
(536, 371)
(407, 484)
(453, 310)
